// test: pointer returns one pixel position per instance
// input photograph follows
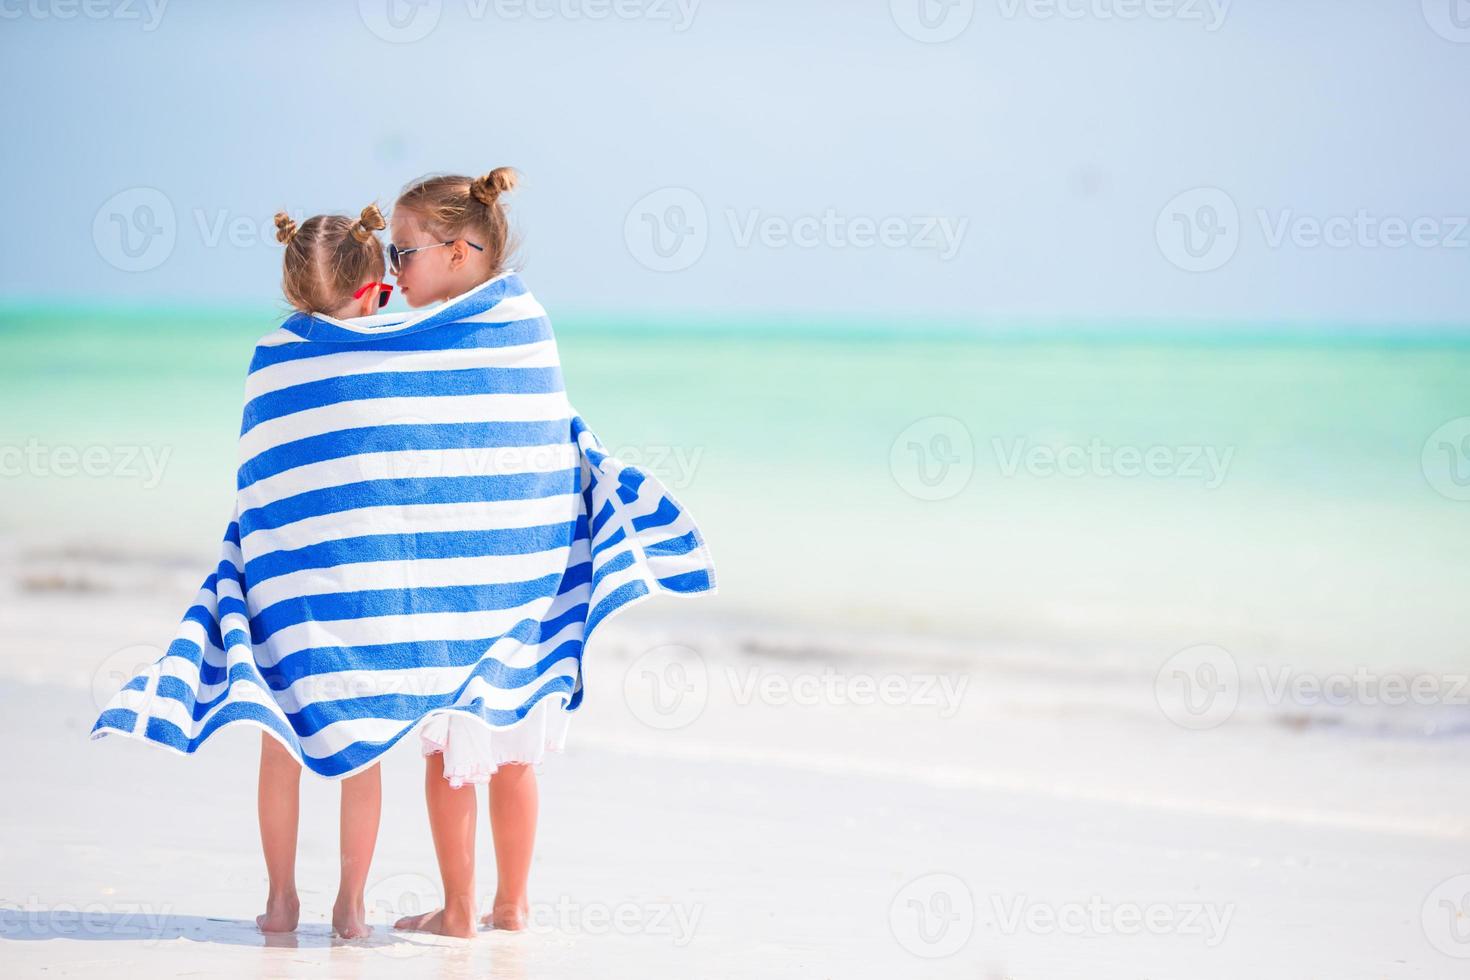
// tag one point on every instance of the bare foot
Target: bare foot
(349, 919)
(507, 915)
(441, 922)
(281, 914)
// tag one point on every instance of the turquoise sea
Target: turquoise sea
(1300, 498)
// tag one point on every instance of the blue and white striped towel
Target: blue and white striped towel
(422, 523)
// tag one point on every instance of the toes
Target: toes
(415, 923)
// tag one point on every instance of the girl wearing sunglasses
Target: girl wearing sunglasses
(333, 264)
(451, 235)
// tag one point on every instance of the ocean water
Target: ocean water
(1108, 497)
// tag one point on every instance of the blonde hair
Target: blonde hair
(329, 257)
(453, 206)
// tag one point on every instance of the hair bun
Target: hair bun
(370, 221)
(285, 227)
(487, 189)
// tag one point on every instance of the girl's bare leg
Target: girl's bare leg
(362, 805)
(452, 814)
(278, 801)
(514, 801)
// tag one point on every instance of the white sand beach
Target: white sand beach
(1004, 816)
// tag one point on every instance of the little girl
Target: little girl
(426, 535)
(450, 235)
(333, 265)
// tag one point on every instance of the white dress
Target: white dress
(473, 750)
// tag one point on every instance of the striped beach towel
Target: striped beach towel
(422, 524)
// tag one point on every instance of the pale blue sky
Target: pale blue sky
(1026, 161)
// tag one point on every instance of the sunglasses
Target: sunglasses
(396, 255)
(384, 291)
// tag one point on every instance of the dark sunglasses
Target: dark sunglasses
(396, 255)
(384, 291)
